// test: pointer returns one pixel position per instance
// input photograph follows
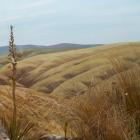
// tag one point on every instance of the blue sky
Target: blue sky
(47, 22)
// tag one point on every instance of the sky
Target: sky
(46, 22)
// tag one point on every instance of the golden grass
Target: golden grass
(68, 75)
(111, 113)
(65, 68)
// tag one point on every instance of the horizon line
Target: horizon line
(72, 43)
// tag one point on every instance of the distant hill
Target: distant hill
(27, 51)
(3, 49)
(65, 46)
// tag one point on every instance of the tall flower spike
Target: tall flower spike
(12, 57)
(12, 48)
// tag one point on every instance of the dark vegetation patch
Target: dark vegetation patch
(70, 93)
(111, 72)
(107, 74)
(3, 80)
(71, 75)
(138, 62)
(22, 77)
(51, 86)
(77, 63)
(90, 83)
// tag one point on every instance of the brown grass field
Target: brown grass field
(84, 87)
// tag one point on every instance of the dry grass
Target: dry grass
(106, 113)
(32, 107)
(111, 113)
(41, 71)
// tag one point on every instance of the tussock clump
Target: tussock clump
(111, 114)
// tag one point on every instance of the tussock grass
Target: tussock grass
(112, 113)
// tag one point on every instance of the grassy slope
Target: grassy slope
(63, 74)
(27, 51)
(59, 73)
(33, 106)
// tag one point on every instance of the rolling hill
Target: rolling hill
(61, 46)
(59, 72)
(49, 80)
(25, 51)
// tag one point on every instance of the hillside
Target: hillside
(32, 106)
(61, 46)
(48, 82)
(62, 73)
(25, 51)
